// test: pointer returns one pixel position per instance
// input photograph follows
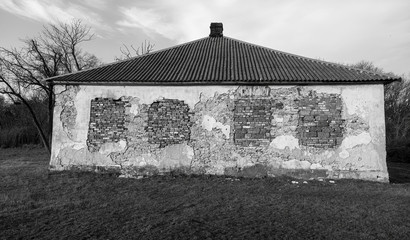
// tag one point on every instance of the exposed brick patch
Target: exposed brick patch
(320, 120)
(252, 121)
(262, 113)
(107, 122)
(168, 122)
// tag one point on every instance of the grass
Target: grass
(73, 205)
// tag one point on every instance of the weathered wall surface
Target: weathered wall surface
(304, 131)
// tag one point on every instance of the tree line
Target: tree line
(27, 99)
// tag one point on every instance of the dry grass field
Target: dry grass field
(36, 204)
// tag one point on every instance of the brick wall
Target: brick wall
(168, 122)
(107, 122)
(320, 121)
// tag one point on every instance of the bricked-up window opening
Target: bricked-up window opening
(107, 122)
(252, 122)
(320, 121)
(168, 122)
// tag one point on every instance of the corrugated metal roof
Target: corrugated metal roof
(220, 60)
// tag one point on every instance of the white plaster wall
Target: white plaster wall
(363, 151)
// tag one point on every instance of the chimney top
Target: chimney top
(216, 29)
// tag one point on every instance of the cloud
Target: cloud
(53, 11)
(36, 10)
(149, 20)
(188, 20)
(176, 20)
(99, 4)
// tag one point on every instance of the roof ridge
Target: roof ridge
(313, 60)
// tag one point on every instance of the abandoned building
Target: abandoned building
(222, 106)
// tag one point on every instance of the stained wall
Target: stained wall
(334, 131)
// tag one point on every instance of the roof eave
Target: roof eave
(213, 83)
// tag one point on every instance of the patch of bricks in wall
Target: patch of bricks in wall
(169, 122)
(107, 122)
(320, 123)
(252, 122)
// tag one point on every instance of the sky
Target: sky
(341, 31)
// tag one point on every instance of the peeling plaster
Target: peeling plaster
(344, 154)
(110, 147)
(134, 110)
(210, 123)
(316, 166)
(327, 89)
(353, 141)
(281, 142)
(149, 94)
(69, 156)
(140, 161)
(69, 111)
(176, 155)
(362, 158)
(358, 99)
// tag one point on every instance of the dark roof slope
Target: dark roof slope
(220, 60)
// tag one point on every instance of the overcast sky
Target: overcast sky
(342, 31)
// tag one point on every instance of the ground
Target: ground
(71, 205)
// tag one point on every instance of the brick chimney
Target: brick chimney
(216, 29)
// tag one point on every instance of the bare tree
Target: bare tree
(130, 52)
(369, 66)
(54, 52)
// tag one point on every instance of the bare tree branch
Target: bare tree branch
(145, 48)
(54, 52)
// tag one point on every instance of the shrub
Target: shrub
(18, 136)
